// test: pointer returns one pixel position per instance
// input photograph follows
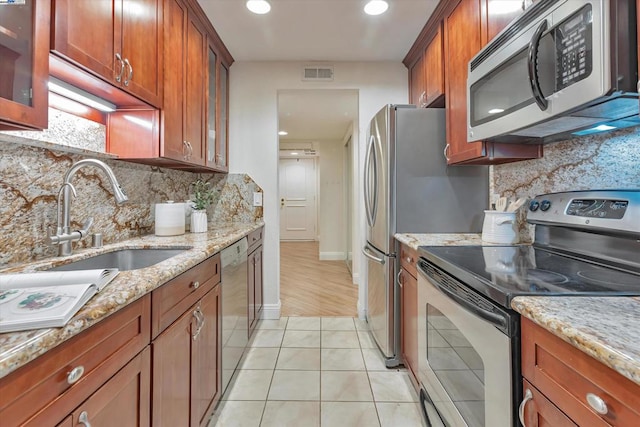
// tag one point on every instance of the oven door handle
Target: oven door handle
(534, 45)
(492, 318)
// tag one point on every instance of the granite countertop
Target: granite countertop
(605, 328)
(414, 240)
(19, 348)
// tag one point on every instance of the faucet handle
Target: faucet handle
(85, 227)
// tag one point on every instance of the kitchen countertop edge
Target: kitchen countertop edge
(19, 348)
(415, 240)
(605, 328)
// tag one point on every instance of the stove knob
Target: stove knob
(534, 205)
(545, 205)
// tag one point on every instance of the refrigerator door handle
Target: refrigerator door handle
(367, 179)
(371, 257)
(374, 210)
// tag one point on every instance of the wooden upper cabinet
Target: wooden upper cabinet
(120, 41)
(190, 132)
(194, 94)
(462, 40)
(24, 65)
(184, 82)
(434, 71)
(499, 14)
(416, 82)
(142, 48)
(454, 34)
(172, 144)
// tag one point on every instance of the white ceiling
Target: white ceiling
(316, 115)
(318, 30)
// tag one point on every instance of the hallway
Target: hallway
(310, 287)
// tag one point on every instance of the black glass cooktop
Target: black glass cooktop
(504, 272)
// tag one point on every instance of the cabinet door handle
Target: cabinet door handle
(400, 282)
(200, 322)
(446, 149)
(130, 75)
(423, 99)
(84, 419)
(75, 374)
(597, 403)
(527, 397)
(119, 76)
(190, 149)
(185, 147)
(195, 285)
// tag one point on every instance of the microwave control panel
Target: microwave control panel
(574, 44)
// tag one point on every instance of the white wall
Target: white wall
(253, 139)
(331, 220)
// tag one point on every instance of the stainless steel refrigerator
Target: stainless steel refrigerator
(409, 188)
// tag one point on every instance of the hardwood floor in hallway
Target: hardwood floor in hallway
(310, 287)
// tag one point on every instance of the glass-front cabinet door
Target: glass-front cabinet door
(24, 63)
(222, 156)
(211, 108)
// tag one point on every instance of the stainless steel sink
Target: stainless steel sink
(123, 259)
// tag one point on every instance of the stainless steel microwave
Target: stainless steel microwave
(562, 68)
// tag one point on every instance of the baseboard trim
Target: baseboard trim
(362, 312)
(271, 311)
(332, 256)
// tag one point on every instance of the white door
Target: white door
(298, 199)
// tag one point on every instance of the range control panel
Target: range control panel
(596, 209)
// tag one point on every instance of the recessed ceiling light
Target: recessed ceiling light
(283, 133)
(259, 6)
(376, 7)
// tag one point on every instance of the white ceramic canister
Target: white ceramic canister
(169, 219)
(499, 227)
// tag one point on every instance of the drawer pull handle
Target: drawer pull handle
(597, 404)
(75, 374)
(195, 284)
(84, 419)
(527, 397)
(409, 259)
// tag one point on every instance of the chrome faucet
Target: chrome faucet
(64, 236)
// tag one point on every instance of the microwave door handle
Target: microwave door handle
(534, 45)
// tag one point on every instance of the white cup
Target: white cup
(499, 227)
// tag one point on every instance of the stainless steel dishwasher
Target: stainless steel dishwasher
(235, 315)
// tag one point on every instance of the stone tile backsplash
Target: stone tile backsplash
(31, 176)
(605, 161)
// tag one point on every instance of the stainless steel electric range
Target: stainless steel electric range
(586, 243)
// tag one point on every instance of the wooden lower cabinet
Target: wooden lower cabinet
(409, 334)
(540, 412)
(186, 366)
(121, 401)
(206, 364)
(42, 394)
(573, 382)
(408, 283)
(254, 287)
(254, 278)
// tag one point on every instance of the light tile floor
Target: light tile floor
(312, 372)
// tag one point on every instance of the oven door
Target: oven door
(465, 359)
(554, 62)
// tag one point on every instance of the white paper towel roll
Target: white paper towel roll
(169, 219)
